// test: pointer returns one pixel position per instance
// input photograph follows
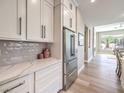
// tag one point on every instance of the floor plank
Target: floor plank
(98, 77)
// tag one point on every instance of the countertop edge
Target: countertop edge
(29, 70)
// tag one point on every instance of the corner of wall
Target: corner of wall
(79, 71)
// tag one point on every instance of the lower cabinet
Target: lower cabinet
(22, 85)
(49, 80)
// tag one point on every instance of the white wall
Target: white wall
(80, 29)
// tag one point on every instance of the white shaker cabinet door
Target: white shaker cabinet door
(11, 26)
(48, 22)
(67, 18)
(34, 32)
(74, 18)
(22, 18)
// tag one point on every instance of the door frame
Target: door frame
(85, 43)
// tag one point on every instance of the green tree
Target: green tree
(109, 39)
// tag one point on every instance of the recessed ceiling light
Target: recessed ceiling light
(92, 1)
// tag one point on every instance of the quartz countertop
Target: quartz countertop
(12, 72)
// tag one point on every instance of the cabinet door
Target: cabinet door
(74, 18)
(68, 4)
(48, 22)
(10, 23)
(22, 85)
(22, 18)
(48, 80)
(34, 32)
(70, 8)
(67, 18)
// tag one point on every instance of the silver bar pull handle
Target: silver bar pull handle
(70, 22)
(44, 31)
(8, 90)
(20, 25)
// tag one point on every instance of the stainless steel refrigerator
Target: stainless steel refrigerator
(69, 58)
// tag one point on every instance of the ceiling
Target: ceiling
(110, 27)
(102, 12)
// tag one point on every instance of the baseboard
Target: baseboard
(80, 69)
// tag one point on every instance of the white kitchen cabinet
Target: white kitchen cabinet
(49, 80)
(74, 18)
(21, 85)
(68, 4)
(69, 15)
(48, 22)
(13, 19)
(39, 21)
(67, 18)
(34, 31)
(39, 24)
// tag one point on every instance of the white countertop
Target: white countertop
(12, 72)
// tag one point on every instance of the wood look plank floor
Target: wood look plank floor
(98, 77)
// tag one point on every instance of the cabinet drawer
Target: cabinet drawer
(21, 85)
(47, 71)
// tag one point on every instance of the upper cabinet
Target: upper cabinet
(48, 22)
(30, 20)
(33, 20)
(69, 15)
(40, 20)
(13, 19)
(69, 5)
(67, 18)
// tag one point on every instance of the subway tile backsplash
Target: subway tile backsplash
(12, 52)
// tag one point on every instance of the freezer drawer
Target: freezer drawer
(70, 66)
(70, 79)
